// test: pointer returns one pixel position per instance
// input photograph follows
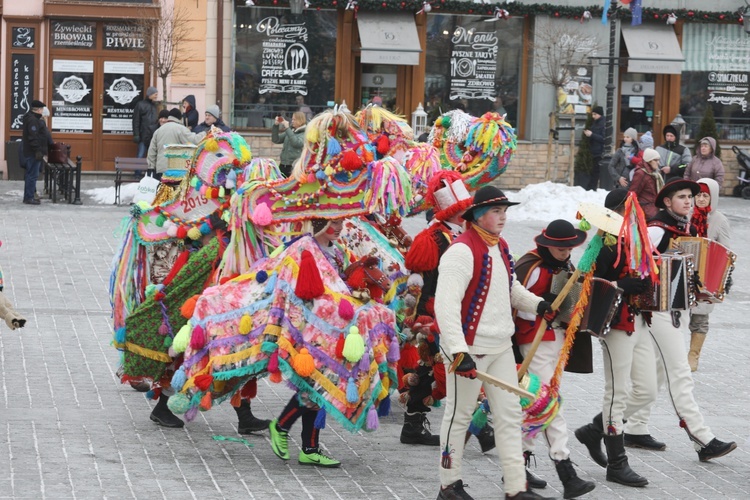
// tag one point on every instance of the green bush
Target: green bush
(708, 129)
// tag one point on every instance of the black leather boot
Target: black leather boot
(534, 481)
(416, 430)
(618, 469)
(715, 449)
(163, 416)
(590, 435)
(645, 441)
(573, 485)
(247, 423)
(454, 491)
(528, 495)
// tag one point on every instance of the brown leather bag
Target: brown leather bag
(57, 153)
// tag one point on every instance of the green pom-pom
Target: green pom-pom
(178, 403)
(479, 419)
(584, 225)
(182, 339)
(150, 290)
(161, 220)
(194, 181)
(445, 121)
(167, 342)
(610, 239)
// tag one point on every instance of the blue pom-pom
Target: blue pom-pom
(333, 147)
(320, 419)
(178, 380)
(232, 175)
(261, 276)
(384, 409)
(150, 394)
(474, 429)
(352, 394)
(320, 175)
(120, 335)
(205, 228)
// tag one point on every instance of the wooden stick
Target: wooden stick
(486, 377)
(543, 324)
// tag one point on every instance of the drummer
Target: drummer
(535, 270)
(672, 369)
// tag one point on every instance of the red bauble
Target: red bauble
(691, 13)
(625, 2)
(656, 16)
(383, 5)
(721, 17)
(557, 14)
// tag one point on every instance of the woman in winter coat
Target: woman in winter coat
(710, 223)
(190, 115)
(647, 182)
(292, 137)
(620, 165)
(706, 164)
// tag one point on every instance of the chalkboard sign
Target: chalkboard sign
(21, 88)
(23, 37)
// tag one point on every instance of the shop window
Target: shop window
(715, 73)
(473, 65)
(283, 63)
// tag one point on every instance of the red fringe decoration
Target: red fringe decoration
(179, 262)
(423, 254)
(340, 347)
(249, 390)
(309, 284)
(350, 161)
(203, 382)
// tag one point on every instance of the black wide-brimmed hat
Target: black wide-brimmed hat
(488, 196)
(676, 184)
(560, 234)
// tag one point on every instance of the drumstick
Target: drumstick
(543, 324)
(486, 377)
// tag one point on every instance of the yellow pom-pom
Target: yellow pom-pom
(354, 345)
(584, 225)
(303, 363)
(312, 135)
(182, 339)
(245, 154)
(194, 233)
(222, 192)
(329, 171)
(212, 145)
(246, 324)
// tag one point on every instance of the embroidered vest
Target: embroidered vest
(526, 329)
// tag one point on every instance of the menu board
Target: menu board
(23, 37)
(473, 64)
(575, 97)
(21, 88)
(728, 88)
(285, 60)
(124, 36)
(123, 88)
(72, 101)
(72, 34)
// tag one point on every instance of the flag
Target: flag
(604, 12)
(637, 11)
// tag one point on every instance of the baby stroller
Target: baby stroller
(743, 188)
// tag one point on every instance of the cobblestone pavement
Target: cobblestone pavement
(71, 430)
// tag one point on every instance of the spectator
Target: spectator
(35, 142)
(304, 108)
(647, 182)
(596, 139)
(144, 117)
(162, 119)
(172, 132)
(706, 164)
(646, 141)
(621, 165)
(674, 156)
(189, 113)
(323, 89)
(212, 118)
(292, 137)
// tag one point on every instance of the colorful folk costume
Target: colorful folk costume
(475, 293)
(7, 311)
(422, 370)
(627, 354)
(535, 270)
(672, 368)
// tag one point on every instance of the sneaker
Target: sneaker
(645, 441)
(715, 449)
(279, 441)
(166, 419)
(32, 202)
(454, 491)
(317, 458)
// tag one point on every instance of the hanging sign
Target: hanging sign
(72, 34)
(285, 59)
(23, 37)
(473, 64)
(21, 88)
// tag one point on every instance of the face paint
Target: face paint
(330, 231)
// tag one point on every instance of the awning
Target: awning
(388, 38)
(653, 49)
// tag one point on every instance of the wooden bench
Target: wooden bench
(128, 170)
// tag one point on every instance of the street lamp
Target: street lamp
(296, 6)
(679, 123)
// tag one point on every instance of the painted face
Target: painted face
(680, 202)
(333, 231)
(561, 254)
(494, 220)
(669, 137)
(702, 200)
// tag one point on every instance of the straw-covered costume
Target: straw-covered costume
(7, 312)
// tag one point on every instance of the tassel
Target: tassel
(273, 362)
(150, 394)
(364, 363)
(384, 408)
(178, 379)
(384, 145)
(188, 307)
(249, 390)
(206, 401)
(584, 225)
(394, 352)
(198, 338)
(120, 335)
(262, 215)
(246, 324)
(320, 419)
(340, 346)
(303, 363)
(333, 147)
(352, 394)
(478, 421)
(372, 419)
(309, 284)
(446, 461)
(167, 342)
(346, 311)
(236, 400)
(203, 382)
(182, 339)
(275, 377)
(354, 345)
(191, 413)
(350, 161)
(150, 291)
(423, 254)
(409, 357)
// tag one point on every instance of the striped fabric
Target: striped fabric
(715, 47)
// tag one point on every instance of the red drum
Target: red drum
(601, 308)
(714, 263)
(673, 290)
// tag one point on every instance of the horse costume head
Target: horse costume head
(366, 279)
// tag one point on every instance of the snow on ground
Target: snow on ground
(106, 195)
(548, 201)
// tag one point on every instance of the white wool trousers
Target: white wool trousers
(543, 364)
(672, 371)
(461, 401)
(627, 359)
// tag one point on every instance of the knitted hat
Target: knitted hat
(163, 113)
(151, 91)
(598, 110)
(670, 129)
(632, 133)
(704, 188)
(650, 154)
(448, 194)
(37, 104)
(560, 234)
(175, 113)
(214, 111)
(646, 141)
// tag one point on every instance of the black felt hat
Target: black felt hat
(560, 234)
(671, 187)
(488, 196)
(615, 198)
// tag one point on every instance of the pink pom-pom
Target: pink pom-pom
(163, 329)
(262, 215)
(198, 338)
(273, 362)
(172, 231)
(346, 311)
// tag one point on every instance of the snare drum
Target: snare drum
(601, 308)
(673, 290)
(714, 263)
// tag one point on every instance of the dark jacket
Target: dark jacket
(205, 127)
(144, 115)
(597, 137)
(190, 118)
(620, 165)
(35, 135)
(676, 157)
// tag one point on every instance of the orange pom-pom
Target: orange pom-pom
(303, 363)
(203, 382)
(309, 283)
(206, 401)
(367, 156)
(350, 161)
(275, 377)
(236, 400)
(188, 308)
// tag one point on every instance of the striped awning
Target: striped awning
(715, 47)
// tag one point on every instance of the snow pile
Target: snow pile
(106, 196)
(548, 201)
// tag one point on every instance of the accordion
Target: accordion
(714, 263)
(673, 289)
(601, 308)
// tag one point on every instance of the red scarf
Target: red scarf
(700, 220)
